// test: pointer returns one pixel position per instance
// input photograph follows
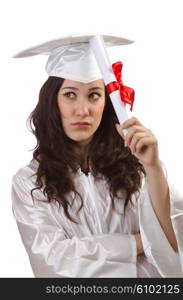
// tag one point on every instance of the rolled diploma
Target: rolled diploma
(98, 46)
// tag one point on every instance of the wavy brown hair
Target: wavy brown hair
(55, 156)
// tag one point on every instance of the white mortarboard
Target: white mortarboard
(71, 57)
(82, 58)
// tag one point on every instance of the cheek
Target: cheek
(99, 110)
(65, 110)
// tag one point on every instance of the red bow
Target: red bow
(127, 94)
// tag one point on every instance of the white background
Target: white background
(153, 66)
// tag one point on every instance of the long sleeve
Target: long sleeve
(156, 246)
(177, 218)
(53, 254)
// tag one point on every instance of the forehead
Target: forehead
(77, 84)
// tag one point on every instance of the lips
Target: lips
(81, 123)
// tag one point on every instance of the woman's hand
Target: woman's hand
(139, 243)
(141, 141)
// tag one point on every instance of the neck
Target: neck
(82, 151)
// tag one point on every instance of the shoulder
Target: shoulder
(24, 183)
(26, 173)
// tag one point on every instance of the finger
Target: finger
(135, 139)
(131, 132)
(120, 130)
(144, 142)
(130, 122)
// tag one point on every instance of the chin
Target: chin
(81, 139)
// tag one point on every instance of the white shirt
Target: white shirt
(103, 244)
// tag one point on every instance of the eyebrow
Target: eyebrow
(74, 88)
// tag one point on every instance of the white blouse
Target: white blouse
(103, 243)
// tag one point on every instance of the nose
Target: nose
(82, 107)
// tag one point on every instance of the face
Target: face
(81, 107)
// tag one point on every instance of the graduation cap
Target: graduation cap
(84, 58)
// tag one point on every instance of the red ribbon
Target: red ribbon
(127, 94)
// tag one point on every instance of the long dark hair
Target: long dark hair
(55, 156)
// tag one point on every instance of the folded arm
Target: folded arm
(52, 254)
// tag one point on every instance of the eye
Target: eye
(69, 95)
(94, 96)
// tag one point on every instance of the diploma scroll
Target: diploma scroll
(98, 46)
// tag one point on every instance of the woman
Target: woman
(94, 202)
